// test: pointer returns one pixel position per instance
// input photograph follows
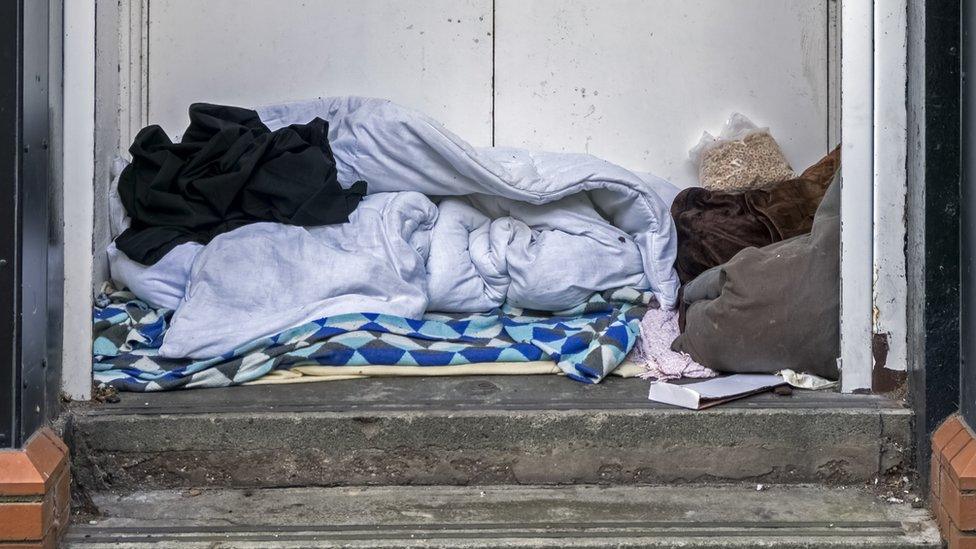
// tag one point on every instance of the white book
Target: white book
(699, 394)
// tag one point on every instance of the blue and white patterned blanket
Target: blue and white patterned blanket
(587, 342)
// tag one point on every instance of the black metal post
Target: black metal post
(942, 174)
(967, 366)
(934, 207)
(9, 161)
(24, 219)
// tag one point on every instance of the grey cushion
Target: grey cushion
(771, 308)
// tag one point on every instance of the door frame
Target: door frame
(857, 194)
(10, 53)
(932, 217)
(872, 84)
(874, 189)
(29, 297)
(967, 206)
(79, 188)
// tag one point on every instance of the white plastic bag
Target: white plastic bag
(743, 156)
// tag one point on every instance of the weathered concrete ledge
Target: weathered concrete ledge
(488, 438)
(483, 517)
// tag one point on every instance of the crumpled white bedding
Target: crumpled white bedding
(162, 284)
(534, 257)
(265, 278)
(540, 230)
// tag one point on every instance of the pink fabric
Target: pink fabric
(653, 351)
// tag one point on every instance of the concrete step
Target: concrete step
(477, 430)
(506, 516)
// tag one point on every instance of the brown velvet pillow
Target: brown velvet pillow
(713, 226)
(771, 308)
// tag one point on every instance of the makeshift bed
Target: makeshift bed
(348, 237)
(455, 257)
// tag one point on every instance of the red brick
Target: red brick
(22, 521)
(28, 472)
(40, 478)
(55, 440)
(944, 433)
(957, 539)
(959, 505)
(941, 518)
(46, 543)
(57, 504)
(952, 535)
(18, 476)
(961, 467)
(49, 457)
(955, 445)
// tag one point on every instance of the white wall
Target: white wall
(634, 81)
(434, 55)
(637, 81)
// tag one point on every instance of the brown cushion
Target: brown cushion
(713, 226)
(771, 308)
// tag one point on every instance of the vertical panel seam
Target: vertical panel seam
(494, 36)
(830, 83)
(144, 62)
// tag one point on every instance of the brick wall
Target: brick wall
(35, 499)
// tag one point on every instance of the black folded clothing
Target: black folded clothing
(229, 170)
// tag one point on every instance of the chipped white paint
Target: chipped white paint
(433, 55)
(638, 81)
(890, 184)
(79, 169)
(857, 196)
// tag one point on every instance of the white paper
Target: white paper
(737, 384)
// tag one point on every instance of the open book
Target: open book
(698, 394)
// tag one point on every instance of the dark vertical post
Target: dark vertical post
(24, 218)
(33, 183)
(55, 207)
(934, 170)
(942, 174)
(9, 161)
(967, 367)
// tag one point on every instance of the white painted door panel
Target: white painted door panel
(433, 55)
(637, 81)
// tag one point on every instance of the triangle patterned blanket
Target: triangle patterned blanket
(587, 342)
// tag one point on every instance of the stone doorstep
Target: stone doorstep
(35, 492)
(277, 450)
(701, 516)
(490, 430)
(487, 447)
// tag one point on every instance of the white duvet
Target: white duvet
(446, 227)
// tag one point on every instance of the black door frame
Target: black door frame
(27, 375)
(9, 159)
(967, 357)
(934, 173)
